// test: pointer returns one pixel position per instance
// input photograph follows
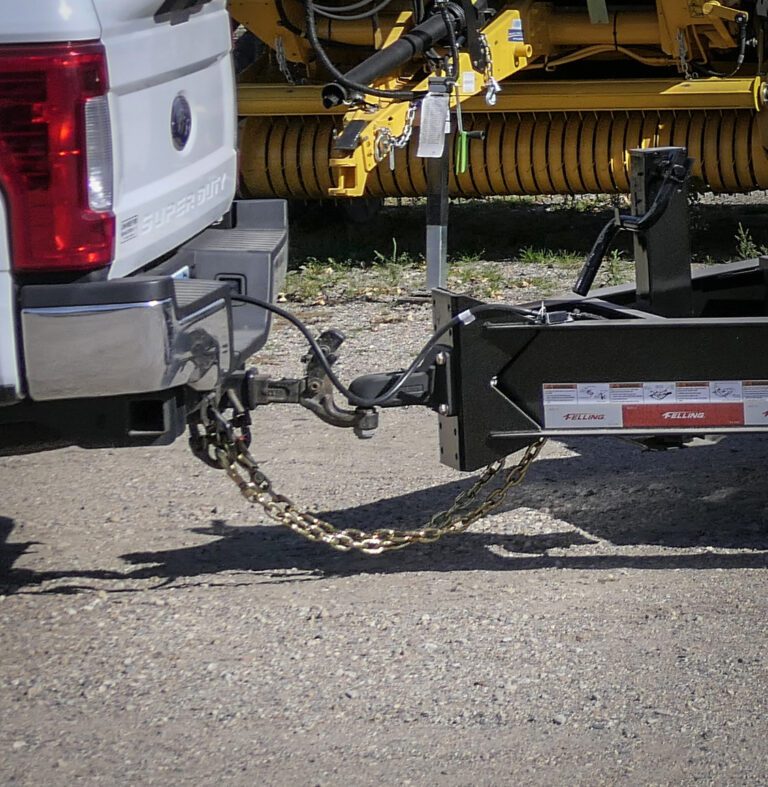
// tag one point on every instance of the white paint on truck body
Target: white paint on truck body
(164, 196)
(9, 361)
(38, 21)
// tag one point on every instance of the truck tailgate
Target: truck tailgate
(173, 123)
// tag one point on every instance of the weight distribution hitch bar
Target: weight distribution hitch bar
(678, 359)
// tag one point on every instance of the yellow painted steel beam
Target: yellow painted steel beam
(625, 28)
(259, 100)
(378, 33)
(542, 96)
(262, 18)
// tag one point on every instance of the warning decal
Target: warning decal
(691, 404)
(515, 32)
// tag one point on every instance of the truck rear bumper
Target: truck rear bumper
(151, 333)
(122, 361)
(124, 336)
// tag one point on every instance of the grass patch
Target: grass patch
(559, 258)
(330, 281)
(501, 247)
(746, 248)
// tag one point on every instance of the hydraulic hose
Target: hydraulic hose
(322, 56)
(741, 21)
(420, 39)
(677, 170)
(333, 13)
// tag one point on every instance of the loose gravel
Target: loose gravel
(606, 626)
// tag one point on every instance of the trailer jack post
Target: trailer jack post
(659, 223)
(663, 249)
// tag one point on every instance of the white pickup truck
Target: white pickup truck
(117, 154)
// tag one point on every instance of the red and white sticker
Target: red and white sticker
(678, 416)
(690, 404)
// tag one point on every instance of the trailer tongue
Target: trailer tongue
(676, 360)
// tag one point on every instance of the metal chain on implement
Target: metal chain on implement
(229, 450)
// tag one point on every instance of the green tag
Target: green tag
(462, 151)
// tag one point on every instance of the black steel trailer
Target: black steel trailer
(676, 360)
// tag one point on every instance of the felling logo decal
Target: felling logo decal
(638, 416)
(674, 405)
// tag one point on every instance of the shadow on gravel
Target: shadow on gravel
(608, 493)
(267, 549)
(12, 579)
(10, 552)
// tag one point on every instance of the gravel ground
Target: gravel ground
(606, 626)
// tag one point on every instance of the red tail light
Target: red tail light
(44, 148)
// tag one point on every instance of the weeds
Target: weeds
(498, 247)
(322, 281)
(397, 258)
(746, 248)
(615, 269)
(484, 280)
(467, 257)
(548, 257)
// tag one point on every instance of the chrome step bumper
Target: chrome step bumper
(125, 336)
(175, 328)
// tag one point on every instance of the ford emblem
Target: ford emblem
(181, 122)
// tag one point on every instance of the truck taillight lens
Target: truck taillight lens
(56, 156)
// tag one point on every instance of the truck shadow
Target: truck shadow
(687, 506)
(12, 578)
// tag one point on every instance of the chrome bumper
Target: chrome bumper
(148, 344)
(144, 334)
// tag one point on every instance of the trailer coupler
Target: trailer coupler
(314, 391)
(428, 385)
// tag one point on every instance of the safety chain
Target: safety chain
(492, 87)
(385, 142)
(682, 48)
(282, 61)
(221, 441)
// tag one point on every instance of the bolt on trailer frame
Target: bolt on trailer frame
(680, 355)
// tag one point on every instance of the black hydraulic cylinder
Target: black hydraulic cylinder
(423, 37)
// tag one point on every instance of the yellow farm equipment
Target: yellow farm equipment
(546, 97)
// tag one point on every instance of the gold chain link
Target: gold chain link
(240, 465)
